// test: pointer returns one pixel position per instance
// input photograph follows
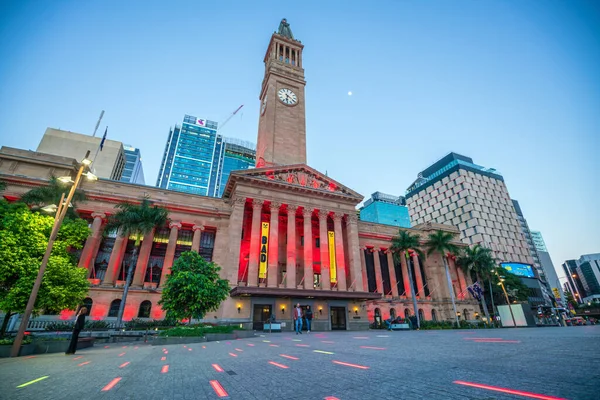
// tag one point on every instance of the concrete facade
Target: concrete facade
(108, 164)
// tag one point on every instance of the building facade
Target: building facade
(133, 171)
(109, 162)
(533, 252)
(475, 199)
(570, 267)
(316, 252)
(198, 160)
(548, 267)
(386, 209)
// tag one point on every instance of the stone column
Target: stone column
(196, 238)
(255, 233)
(324, 250)
(418, 277)
(273, 254)
(363, 268)
(378, 275)
(405, 277)
(308, 249)
(230, 264)
(142, 261)
(116, 258)
(461, 278)
(339, 252)
(92, 242)
(357, 273)
(170, 253)
(290, 280)
(392, 271)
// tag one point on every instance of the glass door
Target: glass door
(338, 318)
(261, 315)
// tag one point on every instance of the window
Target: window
(144, 311)
(407, 313)
(114, 308)
(433, 315)
(421, 314)
(392, 313)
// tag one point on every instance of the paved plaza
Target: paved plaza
(554, 362)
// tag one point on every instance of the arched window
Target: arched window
(392, 313)
(421, 314)
(433, 315)
(407, 313)
(377, 312)
(145, 308)
(114, 308)
(466, 314)
(88, 303)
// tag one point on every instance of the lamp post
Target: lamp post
(61, 211)
(501, 283)
(408, 254)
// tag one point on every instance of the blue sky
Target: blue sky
(513, 84)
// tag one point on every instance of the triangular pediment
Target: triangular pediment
(298, 176)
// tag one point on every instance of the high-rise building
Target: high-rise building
(455, 191)
(547, 266)
(133, 171)
(574, 280)
(530, 244)
(386, 209)
(198, 160)
(108, 163)
(584, 274)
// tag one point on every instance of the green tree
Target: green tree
(401, 246)
(135, 220)
(515, 288)
(193, 288)
(441, 242)
(51, 193)
(23, 241)
(479, 260)
(2, 185)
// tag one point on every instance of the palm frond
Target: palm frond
(137, 219)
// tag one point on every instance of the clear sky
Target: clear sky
(513, 84)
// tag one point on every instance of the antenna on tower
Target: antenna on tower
(98, 123)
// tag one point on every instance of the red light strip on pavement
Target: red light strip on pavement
(290, 357)
(327, 341)
(124, 347)
(163, 358)
(217, 367)
(203, 347)
(124, 365)
(239, 349)
(111, 384)
(250, 344)
(164, 369)
(31, 357)
(350, 365)
(302, 345)
(106, 347)
(83, 363)
(331, 398)
(135, 348)
(218, 389)
(190, 349)
(233, 354)
(372, 348)
(166, 352)
(483, 338)
(121, 355)
(278, 365)
(496, 341)
(77, 358)
(274, 345)
(509, 391)
(360, 337)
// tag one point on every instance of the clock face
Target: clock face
(287, 97)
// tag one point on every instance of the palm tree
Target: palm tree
(479, 260)
(401, 245)
(441, 242)
(50, 194)
(135, 220)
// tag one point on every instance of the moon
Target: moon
(349, 93)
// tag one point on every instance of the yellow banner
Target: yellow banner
(556, 293)
(264, 247)
(332, 266)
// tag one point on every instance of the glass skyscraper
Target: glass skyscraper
(386, 209)
(133, 171)
(198, 160)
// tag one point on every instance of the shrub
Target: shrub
(10, 341)
(199, 330)
(59, 326)
(97, 325)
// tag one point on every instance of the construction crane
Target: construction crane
(222, 124)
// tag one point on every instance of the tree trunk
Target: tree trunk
(484, 305)
(127, 282)
(451, 290)
(492, 296)
(412, 289)
(5, 322)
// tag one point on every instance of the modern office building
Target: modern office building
(198, 160)
(133, 171)
(547, 266)
(475, 199)
(530, 244)
(109, 163)
(386, 209)
(570, 267)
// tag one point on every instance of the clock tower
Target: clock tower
(282, 126)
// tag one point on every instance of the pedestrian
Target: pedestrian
(308, 314)
(79, 324)
(298, 319)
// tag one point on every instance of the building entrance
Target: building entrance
(338, 318)
(262, 314)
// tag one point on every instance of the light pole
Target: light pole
(501, 283)
(408, 254)
(61, 211)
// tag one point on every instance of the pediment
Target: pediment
(298, 176)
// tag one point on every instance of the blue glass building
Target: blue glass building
(133, 171)
(198, 160)
(386, 209)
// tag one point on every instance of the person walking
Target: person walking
(298, 319)
(308, 315)
(79, 324)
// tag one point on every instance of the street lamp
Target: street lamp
(61, 211)
(501, 283)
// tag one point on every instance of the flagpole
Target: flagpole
(101, 144)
